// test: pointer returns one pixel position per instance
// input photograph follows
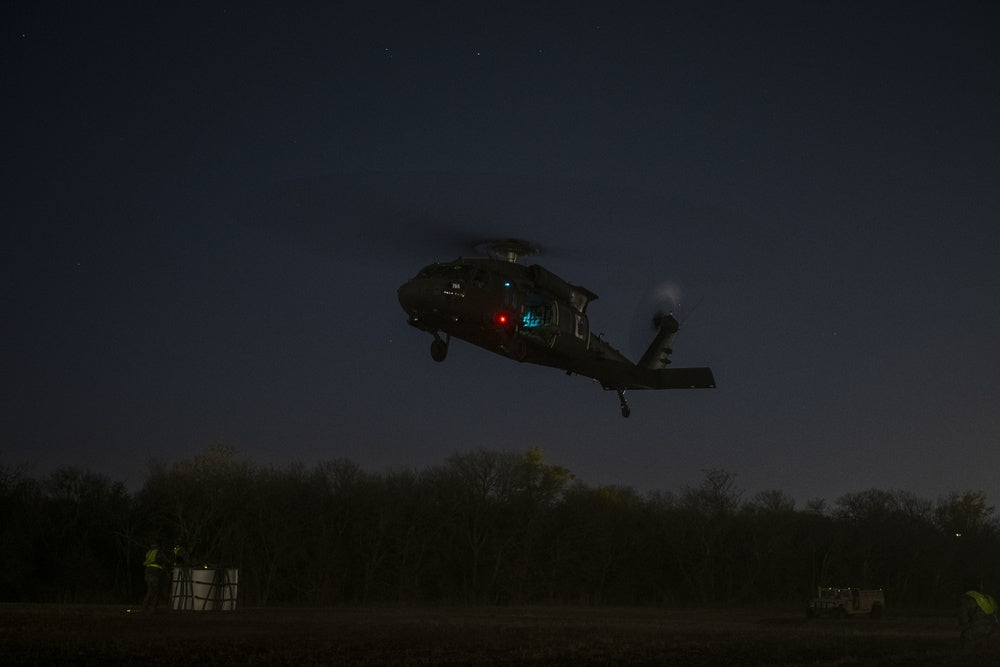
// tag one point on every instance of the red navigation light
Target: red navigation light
(501, 319)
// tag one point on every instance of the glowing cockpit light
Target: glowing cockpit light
(531, 319)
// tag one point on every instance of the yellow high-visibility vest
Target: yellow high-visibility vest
(151, 560)
(985, 602)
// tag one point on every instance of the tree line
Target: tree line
(484, 527)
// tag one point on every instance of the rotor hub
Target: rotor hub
(507, 249)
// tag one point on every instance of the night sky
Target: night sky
(207, 211)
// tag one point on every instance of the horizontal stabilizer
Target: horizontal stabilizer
(684, 378)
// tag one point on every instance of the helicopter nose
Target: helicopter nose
(405, 294)
(410, 296)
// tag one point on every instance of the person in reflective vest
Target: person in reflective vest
(977, 615)
(153, 574)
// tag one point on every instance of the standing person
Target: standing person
(182, 556)
(977, 615)
(153, 568)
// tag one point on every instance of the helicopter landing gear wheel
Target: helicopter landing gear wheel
(439, 348)
(626, 410)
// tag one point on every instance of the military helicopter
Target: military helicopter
(529, 314)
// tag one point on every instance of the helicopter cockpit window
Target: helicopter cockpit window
(538, 312)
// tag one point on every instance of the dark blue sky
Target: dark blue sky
(208, 210)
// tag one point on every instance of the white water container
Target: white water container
(204, 588)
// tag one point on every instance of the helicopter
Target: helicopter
(529, 314)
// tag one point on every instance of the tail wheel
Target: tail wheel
(626, 410)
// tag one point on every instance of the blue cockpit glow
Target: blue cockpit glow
(531, 319)
(538, 312)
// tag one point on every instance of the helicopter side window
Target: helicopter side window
(538, 312)
(582, 329)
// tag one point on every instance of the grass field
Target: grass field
(88, 634)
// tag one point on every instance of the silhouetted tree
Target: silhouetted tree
(271, 539)
(82, 511)
(198, 502)
(21, 515)
(776, 565)
(971, 537)
(488, 503)
(483, 527)
(709, 549)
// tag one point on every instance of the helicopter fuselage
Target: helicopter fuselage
(529, 314)
(502, 307)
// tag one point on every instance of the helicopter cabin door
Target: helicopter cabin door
(574, 330)
(540, 318)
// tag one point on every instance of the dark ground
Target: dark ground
(92, 634)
